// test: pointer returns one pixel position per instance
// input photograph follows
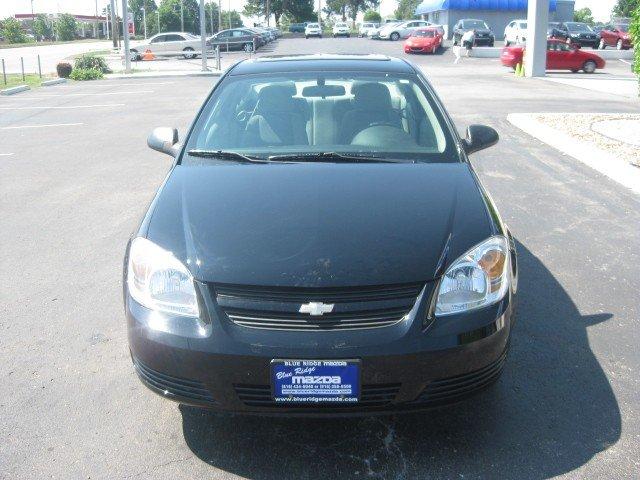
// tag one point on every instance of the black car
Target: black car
(237, 39)
(579, 33)
(554, 30)
(321, 245)
(297, 27)
(483, 34)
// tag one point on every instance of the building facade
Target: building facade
(496, 13)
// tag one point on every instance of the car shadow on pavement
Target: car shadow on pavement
(552, 410)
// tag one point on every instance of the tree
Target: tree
(12, 31)
(42, 28)
(337, 7)
(65, 27)
(583, 15)
(170, 16)
(356, 6)
(300, 10)
(136, 7)
(372, 16)
(293, 9)
(234, 17)
(625, 8)
(407, 9)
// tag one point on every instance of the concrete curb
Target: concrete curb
(56, 81)
(14, 90)
(120, 76)
(607, 164)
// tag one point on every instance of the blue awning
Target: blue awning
(428, 6)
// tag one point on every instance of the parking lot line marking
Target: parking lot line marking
(42, 126)
(39, 107)
(127, 84)
(5, 154)
(624, 61)
(83, 94)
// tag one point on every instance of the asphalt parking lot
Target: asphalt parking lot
(76, 176)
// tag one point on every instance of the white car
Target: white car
(396, 31)
(312, 30)
(365, 28)
(341, 29)
(170, 44)
(515, 32)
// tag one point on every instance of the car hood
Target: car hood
(319, 224)
(483, 31)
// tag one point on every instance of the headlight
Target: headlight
(159, 281)
(476, 279)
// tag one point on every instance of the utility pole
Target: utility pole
(114, 23)
(95, 25)
(230, 26)
(219, 15)
(203, 37)
(182, 15)
(144, 18)
(320, 16)
(125, 34)
(158, 12)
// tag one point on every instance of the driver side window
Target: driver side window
(159, 39)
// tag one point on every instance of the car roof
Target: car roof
(321, 62)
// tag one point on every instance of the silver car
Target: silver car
(400, 30)
(170, 44)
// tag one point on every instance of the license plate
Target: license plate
(315, 381)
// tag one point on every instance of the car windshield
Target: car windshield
(387, 116)
(313, 25)
(424, 33)
(474, 24)
(578, 27)
(623, 28)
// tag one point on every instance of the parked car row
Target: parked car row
(189, 46)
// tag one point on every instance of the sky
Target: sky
(601, 8)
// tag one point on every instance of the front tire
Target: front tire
(248, 47)
(188, 55)
(589, 66)
(134, 56)
(307, 37)
(395, 36)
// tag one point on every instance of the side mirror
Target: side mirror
(478, 138)
(165, 140)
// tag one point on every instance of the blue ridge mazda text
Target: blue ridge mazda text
(321, 245)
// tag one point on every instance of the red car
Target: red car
(615, 36)
(560, 56)
(423, 40)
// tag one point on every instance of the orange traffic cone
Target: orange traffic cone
(148, 55)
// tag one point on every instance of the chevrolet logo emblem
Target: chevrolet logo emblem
(316, 308)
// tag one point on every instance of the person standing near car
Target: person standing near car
(468, 40)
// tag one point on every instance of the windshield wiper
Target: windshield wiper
(226, 155)
(328, 157)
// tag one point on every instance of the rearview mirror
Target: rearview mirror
(165, 140)
(323, 91)
(479, 137)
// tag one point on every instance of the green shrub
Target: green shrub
(634, 31)
(91, 61)
(86, 74)
(63, 69)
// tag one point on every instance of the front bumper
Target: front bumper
(404, 367)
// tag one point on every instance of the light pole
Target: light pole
(211, 17)
(219, 15)
(230, 14)
(203, 37)
(95, 25)
(158, 12)
(268, 13)
(182, 15)
(125, 33)
(319, 16)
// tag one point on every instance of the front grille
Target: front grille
(277, 308)
(173, 386)
(455, 388)
(376, 395)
